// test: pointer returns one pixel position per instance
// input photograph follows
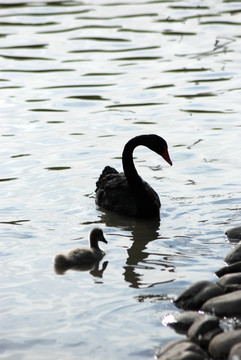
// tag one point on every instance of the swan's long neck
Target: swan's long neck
(130, 171)
(146, 204)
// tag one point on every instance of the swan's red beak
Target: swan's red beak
(166, 156)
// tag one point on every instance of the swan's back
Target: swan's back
(112, 190)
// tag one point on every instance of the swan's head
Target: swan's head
(158, 144)
(96, 235)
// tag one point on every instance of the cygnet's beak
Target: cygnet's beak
(104, 240)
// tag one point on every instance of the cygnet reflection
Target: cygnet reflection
(93, 268)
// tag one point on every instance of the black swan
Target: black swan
(82, 256)
(126, 193)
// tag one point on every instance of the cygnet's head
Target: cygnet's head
(96, 235)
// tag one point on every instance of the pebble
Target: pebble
(224, 305)
(181, 350)
(234, 234)
(234, 255)
(235, 353)
(197, 294)
(230, 282)
(203, 330)
(221, 344)
(236, 267)
(182, 321)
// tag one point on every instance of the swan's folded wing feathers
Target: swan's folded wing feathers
(113, 192)
(104, 177)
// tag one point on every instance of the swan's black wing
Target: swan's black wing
(113, 192)
(101, 183)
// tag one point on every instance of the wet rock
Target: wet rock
(234, 234)
(233, 268)
(181, 350)
(224, 305)
(221, 344)
(182, 321)
(203, 330)
(235, 352)
(197, 294)
(234, 255)
(230, 282)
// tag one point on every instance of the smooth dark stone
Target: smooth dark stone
(197, 294)
(225, 305)
(182, 321)
(182, 350)
(233, 268)
(203, 330)
(234, 255)
(221, 344)
(234, 234)
(230, 282)
(235, 352)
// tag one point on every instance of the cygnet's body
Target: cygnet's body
(84, 255)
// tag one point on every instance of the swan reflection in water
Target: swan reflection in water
(93, 268)
(143, 231)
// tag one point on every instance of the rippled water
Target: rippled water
(78, 79)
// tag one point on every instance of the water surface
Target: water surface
(79, 79)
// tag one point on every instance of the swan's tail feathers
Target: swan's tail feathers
(108, 170)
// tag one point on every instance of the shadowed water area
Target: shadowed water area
(78, 79)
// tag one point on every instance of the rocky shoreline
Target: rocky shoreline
(211, 316)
